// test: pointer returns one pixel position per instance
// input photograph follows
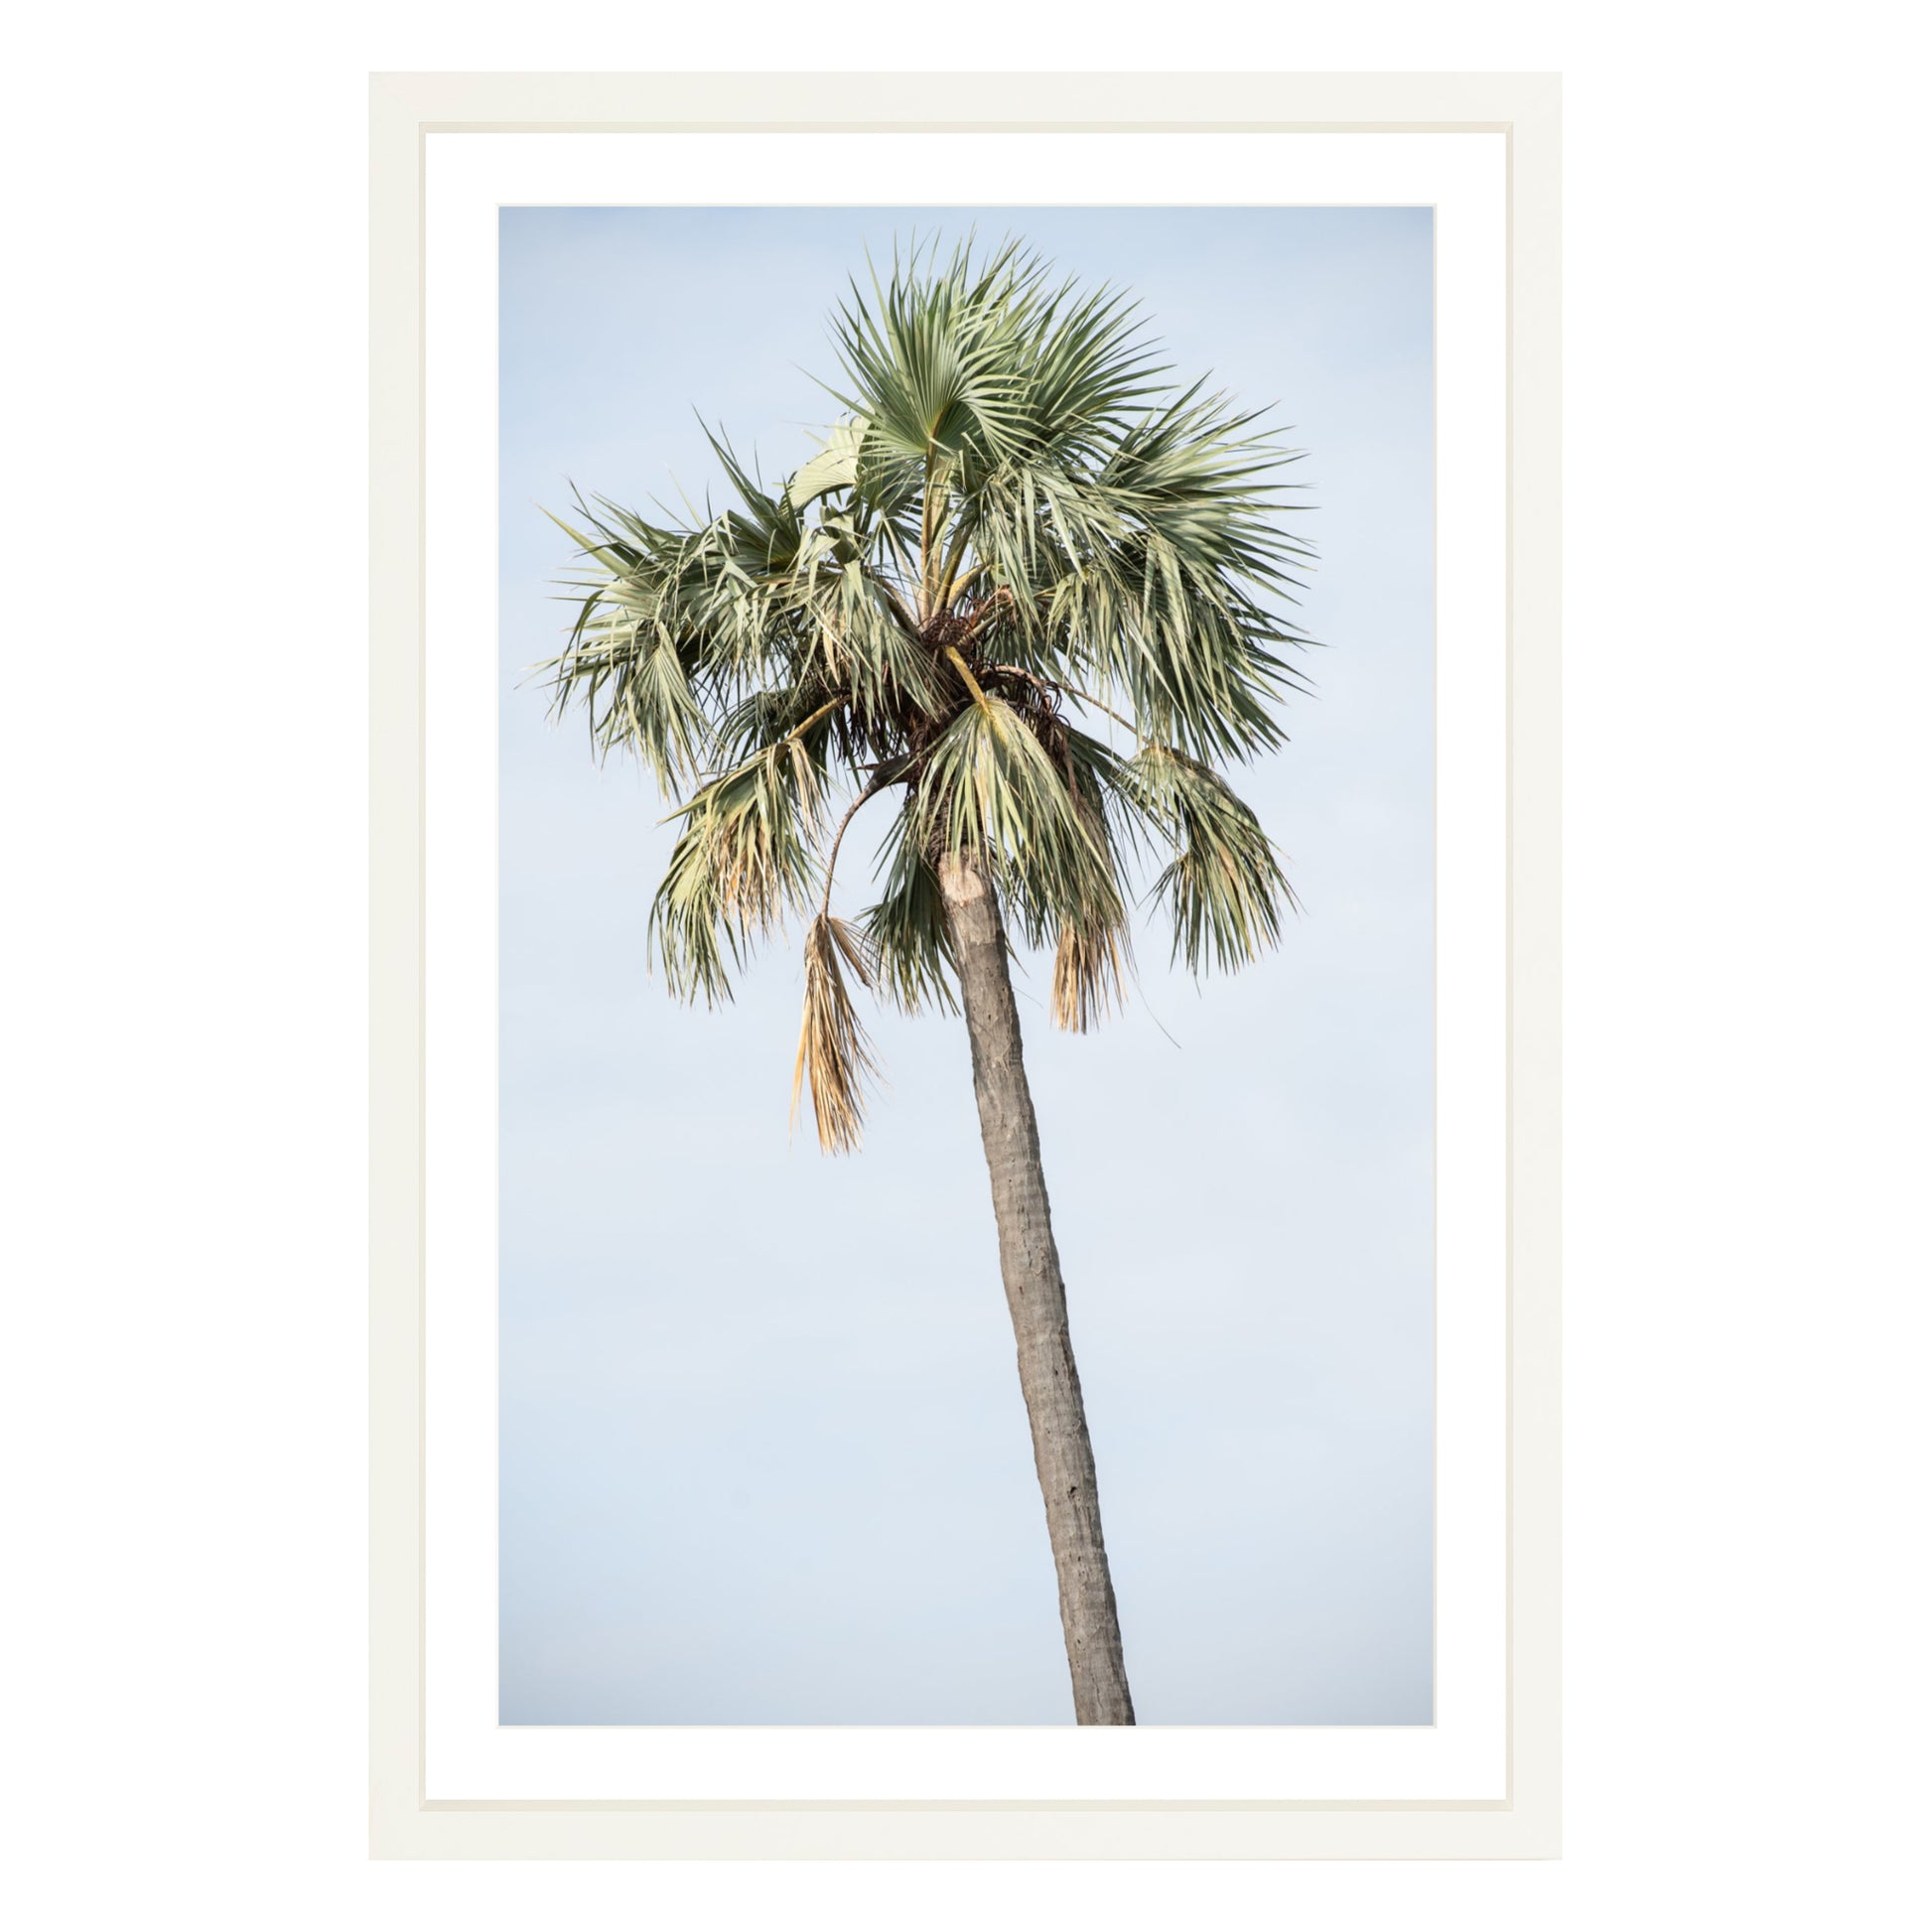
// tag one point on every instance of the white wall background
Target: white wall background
(183, 812)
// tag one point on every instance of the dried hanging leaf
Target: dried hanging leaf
(834, 1054)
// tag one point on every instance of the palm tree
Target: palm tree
(1017, 530)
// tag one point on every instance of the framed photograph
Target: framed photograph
(965, 983)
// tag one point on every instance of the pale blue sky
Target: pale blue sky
(764, 1452)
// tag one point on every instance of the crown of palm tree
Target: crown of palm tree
(1017, 529)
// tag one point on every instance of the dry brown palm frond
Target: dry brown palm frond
(833, 1051)
(1089, 976)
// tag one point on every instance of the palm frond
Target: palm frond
(906, 930)
(834, 1054)
(1089, 974)
(990, 786)
(1224, 888)
(745, 857)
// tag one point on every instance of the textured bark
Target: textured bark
(1029, 1263)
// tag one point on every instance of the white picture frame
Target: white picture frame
(417, 1811)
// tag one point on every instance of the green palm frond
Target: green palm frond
(992, 787)
(745, 857)
(1019, 522)
(1224, 888)
(906, 930)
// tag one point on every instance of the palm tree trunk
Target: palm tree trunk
(1037, 1298)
